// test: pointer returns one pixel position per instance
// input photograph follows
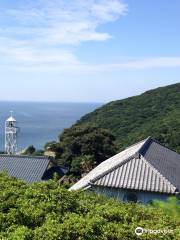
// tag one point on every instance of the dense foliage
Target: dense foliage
(171, 207)
(81, 148)
(45, 210)
(31, 150)
(155, 113)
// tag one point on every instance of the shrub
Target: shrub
(46, 210)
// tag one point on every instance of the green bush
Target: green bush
(171, 207)
(45, 210)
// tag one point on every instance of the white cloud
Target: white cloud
(131, 65)
(62, 20)
(109, 10)
(48, 31)
(143, 63)
(43, 35)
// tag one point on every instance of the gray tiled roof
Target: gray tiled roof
(166, 161)
(149, 166)
(137, 174)
(107, 166)
(30, 169)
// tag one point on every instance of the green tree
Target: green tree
(53, 146)
(38, 152)
(82, 164)
(78, 142)
(30, 150)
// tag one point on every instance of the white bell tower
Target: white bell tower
(11, 131)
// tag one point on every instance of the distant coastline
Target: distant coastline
(41, 122)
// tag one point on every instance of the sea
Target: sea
(41, 122)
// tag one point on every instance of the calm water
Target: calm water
(41, 122)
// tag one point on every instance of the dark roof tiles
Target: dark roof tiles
(30, 169)
(166, 161)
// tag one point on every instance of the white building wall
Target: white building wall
(142, 196)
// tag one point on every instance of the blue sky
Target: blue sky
(87, 50)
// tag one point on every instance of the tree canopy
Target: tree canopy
(30, 150)
(154, 113)
(81, 148)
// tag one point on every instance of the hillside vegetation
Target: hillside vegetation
(154, 113)
(80, 149)
(117, 125)
(46, 211)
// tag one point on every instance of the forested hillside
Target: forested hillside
(154, 113)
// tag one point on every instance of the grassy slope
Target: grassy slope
(154, 113)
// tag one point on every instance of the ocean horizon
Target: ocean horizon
(41, 122)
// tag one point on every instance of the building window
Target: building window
(130, 197)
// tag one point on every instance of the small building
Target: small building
(29, 168)
(141, 173)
